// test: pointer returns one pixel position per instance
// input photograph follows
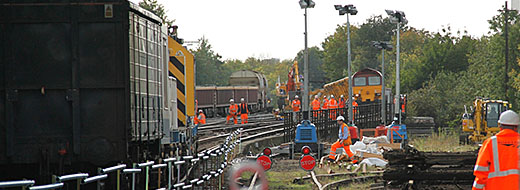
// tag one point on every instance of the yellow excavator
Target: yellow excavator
(482, 120)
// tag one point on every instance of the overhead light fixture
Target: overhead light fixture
(397, 16)
(307, 4)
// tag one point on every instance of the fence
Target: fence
(365, 116)
(201, 171)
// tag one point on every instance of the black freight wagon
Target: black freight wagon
(80, 82)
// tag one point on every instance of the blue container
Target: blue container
(306, 133)
(401, 131)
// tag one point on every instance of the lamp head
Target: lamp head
(352, 9)
(303, 4)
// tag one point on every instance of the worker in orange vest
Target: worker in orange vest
(344, 141)
(233, 109)
(315, 104)
(497, 161)
(325, 103)
(242, 109)
(296, 104)
(341, 104)
(355, 107)
(200, 119)
(333, 105)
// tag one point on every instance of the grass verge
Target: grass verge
(445, 140)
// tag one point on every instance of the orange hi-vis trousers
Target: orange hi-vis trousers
(243, 118)
(337, 145)
(234, 118)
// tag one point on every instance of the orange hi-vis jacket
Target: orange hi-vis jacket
(200, 119)
(333, 104)
(296, 105)
(341, 103)
(233, 109)
(354, 106)
(315, 104)
(497, 162)
(325, 104)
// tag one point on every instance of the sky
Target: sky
(238, 29)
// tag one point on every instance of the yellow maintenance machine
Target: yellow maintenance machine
(482, 122)
(287, 91)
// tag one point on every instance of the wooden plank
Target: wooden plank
(371, 155)
(393, 146)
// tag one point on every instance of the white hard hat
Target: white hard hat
(342, 95)
(340, 118)
(324, 96)
(200, 111)
(331, 96)
(315, 96)
(296, 96)
(509, 118)
(231, 100)
(242, 99)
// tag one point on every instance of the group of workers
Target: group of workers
(235, 110)
(327, 103)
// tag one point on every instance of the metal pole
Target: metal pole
(169, 175)
(506, 23)
(306, 73)
(350, 112)
(133, 177)
(397, 82)
(147, 177)
(98, 183)
(383, 102)
(118, 186)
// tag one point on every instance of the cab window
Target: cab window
(360, 81)
(493, 112)
(374, 80)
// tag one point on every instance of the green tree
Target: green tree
(363, 54)
(411, 67)
(443, 52)
(158, 9)
(209, 66)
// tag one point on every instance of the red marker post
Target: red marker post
(264, 161)
(307, 162)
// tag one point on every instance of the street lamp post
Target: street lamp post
(304, 4)
(352, 10)
(383, 46)
(397, 17)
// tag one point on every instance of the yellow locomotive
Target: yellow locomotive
(367, 85)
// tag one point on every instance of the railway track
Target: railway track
(219, 124)
(214, 133)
